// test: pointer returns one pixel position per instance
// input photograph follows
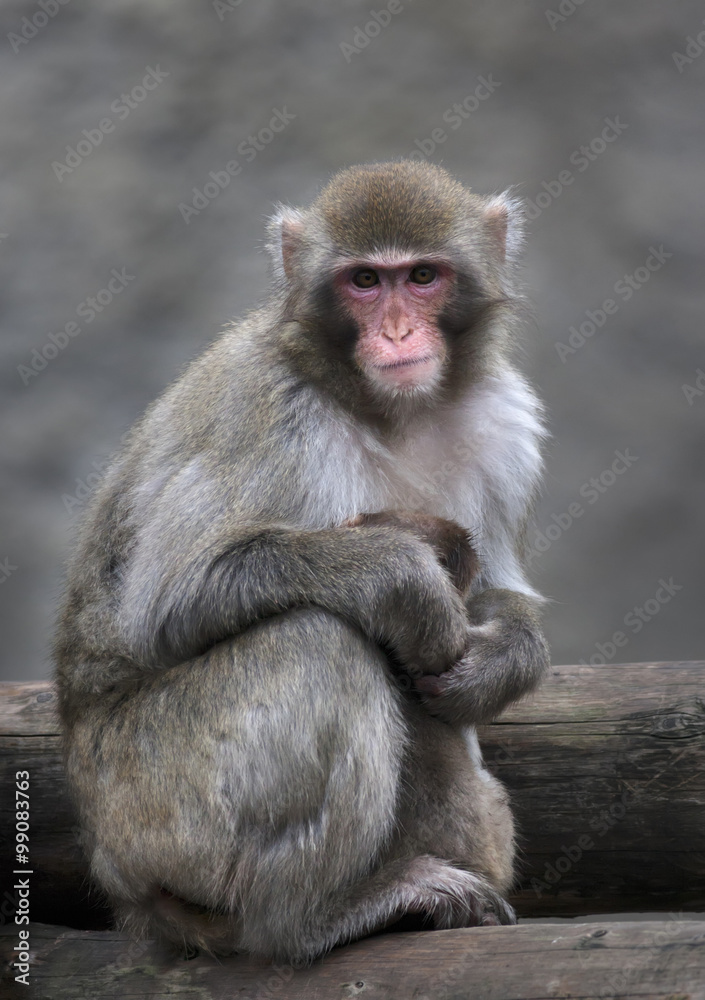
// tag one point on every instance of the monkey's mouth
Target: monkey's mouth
(406, 363)
(407, 374)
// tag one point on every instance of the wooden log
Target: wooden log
(606, 767)
(61, 892)
(664, 960)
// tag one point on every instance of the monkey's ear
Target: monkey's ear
(504, 216)
(285, 229)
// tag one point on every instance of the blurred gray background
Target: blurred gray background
(535, 82)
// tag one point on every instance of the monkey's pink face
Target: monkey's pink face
(396, 309)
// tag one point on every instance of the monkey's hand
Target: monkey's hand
(451, 542)
(506, 657)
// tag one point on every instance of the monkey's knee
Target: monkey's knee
(318, 642)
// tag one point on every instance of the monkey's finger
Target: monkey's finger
(353, 522)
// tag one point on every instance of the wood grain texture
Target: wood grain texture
(606, 768)
(664, 960)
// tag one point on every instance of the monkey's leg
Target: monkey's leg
(257, 782)
(451, 809)
(248, 799)
(452, 856)
(452, 806)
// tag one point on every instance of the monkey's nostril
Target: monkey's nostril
(396, 334)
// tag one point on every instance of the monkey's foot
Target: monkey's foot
(447, 897)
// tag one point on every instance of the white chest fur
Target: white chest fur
(477, 464)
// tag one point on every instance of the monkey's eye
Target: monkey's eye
(422, 275)
(365, 278)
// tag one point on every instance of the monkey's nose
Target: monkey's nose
(397, 334)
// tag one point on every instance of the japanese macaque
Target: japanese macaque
(300, 587)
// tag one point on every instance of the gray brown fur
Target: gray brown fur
(250, 772)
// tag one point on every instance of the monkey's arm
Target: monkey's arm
(507, 656)
(178, 602)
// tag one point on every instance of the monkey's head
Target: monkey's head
(399, 274)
